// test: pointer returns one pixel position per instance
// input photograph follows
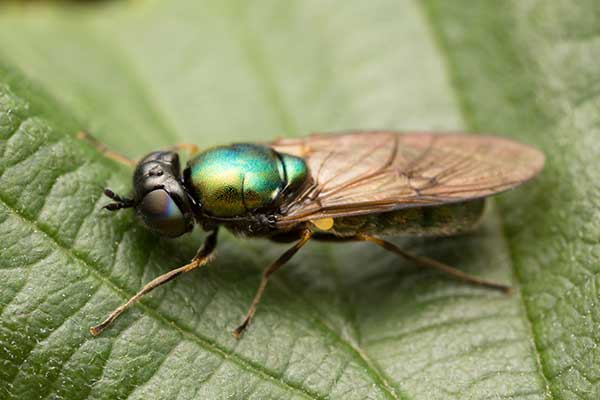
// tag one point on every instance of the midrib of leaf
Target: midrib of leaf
(257, 62)
(259, 65)
(379, 377)
(149, 311)
(466, 111)
(262, 72)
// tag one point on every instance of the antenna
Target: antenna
(120, 202)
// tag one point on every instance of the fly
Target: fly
(354, 186)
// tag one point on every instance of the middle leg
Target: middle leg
(284, 258)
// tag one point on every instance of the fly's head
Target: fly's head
(159, 196)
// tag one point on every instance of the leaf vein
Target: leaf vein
(201, 341)
(465, 109)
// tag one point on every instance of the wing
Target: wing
(364, 172)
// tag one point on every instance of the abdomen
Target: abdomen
(420, 221)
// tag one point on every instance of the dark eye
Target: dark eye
(161, 214)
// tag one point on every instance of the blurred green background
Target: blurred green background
(341, 321)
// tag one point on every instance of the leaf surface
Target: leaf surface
(340, 321)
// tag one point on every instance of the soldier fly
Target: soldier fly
(353, 186)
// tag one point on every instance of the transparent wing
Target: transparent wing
(363, 172)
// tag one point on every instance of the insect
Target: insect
(355, 186)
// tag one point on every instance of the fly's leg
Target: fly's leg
(284, 258)
(431, 263)
(101, 148)
(191, 149)
(202, 257)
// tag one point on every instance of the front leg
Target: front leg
(191, 149)
(202, 257)
(103, 149)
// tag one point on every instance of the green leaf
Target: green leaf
(344, 321)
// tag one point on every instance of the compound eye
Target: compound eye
(161, 213)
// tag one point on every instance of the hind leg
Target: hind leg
(431, 263)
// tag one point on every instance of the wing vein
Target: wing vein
(353, 175)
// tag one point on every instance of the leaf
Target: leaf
(345, 321)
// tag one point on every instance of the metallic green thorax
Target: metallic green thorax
(231, 181)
